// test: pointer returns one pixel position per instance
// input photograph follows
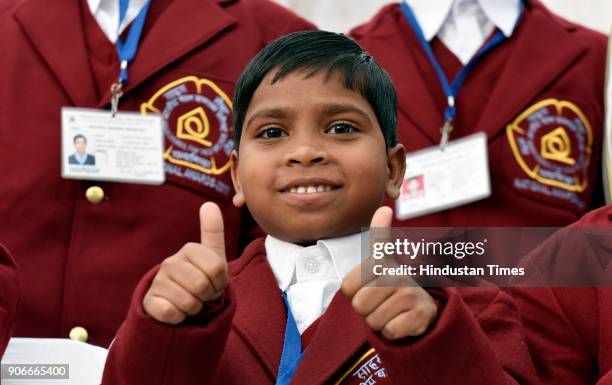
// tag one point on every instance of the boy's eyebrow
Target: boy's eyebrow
(326, 109)
(334, 109)
(278, 113)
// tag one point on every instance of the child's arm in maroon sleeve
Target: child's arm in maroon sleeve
(479, 344)
(146, 351)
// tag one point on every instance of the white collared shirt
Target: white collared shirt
(312, 275)
(464, 25)
(106, 13)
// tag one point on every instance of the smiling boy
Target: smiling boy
(317, 152)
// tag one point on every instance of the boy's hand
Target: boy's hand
(396, 312)
(196, 274)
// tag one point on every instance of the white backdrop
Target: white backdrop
(342, 15)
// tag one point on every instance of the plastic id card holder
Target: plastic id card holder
(439, 179)
(127, 147)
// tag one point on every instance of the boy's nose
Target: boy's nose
(306, 154)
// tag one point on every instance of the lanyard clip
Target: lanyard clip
(445, 130)
(116, 92)
(449, 115)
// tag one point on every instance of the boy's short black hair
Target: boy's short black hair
(316, 51)
(79, 136)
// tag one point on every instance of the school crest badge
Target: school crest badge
(552, 143)
(197, 117)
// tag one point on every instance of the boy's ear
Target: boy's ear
(396, 165)
(238, 199)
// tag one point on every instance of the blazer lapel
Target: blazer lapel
(260, 321)
(260, 313)
(339, 337)
(183, 26)
(56, 32)
(543, 50)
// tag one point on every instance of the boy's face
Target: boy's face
(312, 161)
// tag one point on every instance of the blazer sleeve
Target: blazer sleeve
(563, 348)
(477, 339)
(563, 319)
(146, 351)
(9, 297)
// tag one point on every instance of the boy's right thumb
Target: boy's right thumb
(211, 228)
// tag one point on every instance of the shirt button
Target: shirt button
(95, 195)
(78, 333)
(312, 266)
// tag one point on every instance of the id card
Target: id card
(438, 179)
(125, 148)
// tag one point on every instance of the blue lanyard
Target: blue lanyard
(451, 90)
(292, 348)
(127, 50)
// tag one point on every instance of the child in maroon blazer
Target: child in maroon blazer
(568, 329)
(317, 152)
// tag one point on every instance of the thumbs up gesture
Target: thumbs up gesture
(196, 274)
(400, 311)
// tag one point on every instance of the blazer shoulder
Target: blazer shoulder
(587, 35)
(272, 20)
(378, 23)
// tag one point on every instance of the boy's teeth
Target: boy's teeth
(309, 189)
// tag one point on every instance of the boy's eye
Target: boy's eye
(341, 128)
(271, 132)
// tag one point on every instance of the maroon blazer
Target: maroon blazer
(548, 68)
(9, 297)
(568, 329)
(476, 339)
(78, 260)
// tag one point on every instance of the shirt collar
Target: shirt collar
(431, 15)
(345, 254)
(106, 13)
(93, 5)
(503, 13)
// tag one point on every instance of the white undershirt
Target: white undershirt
(312, 275)
(106, 13)
(464, 25)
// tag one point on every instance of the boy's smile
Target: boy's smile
(309, 191)
(312, 161)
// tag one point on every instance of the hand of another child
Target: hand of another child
(397, 312)
(196, 274)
